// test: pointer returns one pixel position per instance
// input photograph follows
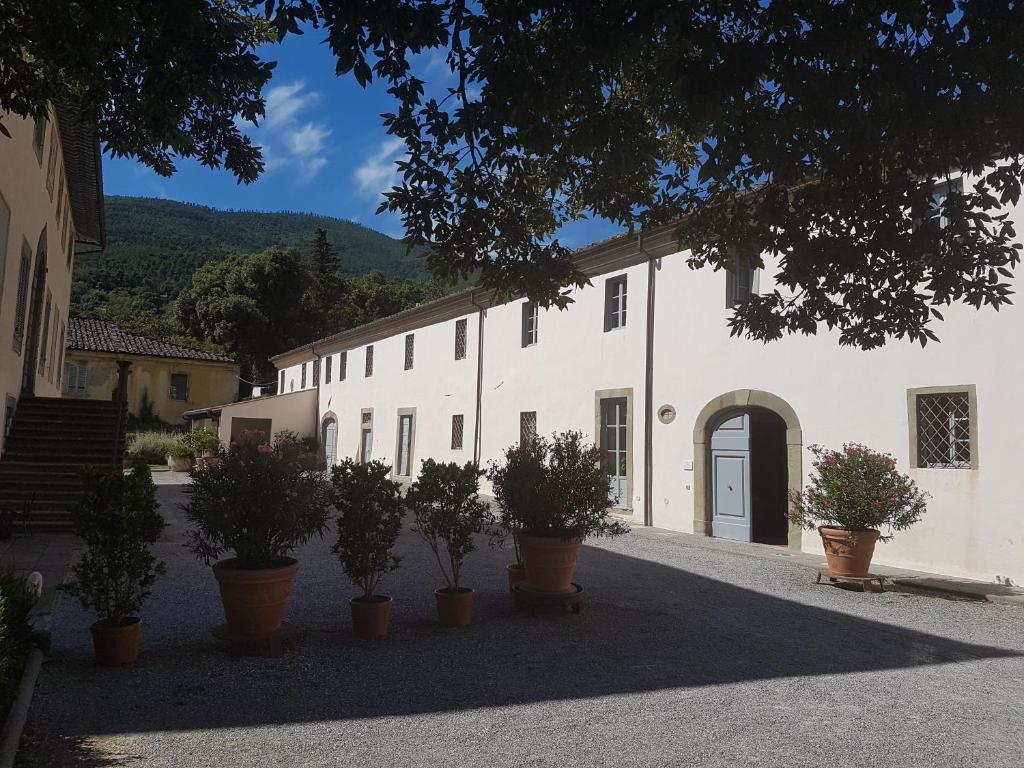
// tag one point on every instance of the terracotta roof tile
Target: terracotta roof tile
(103, 336)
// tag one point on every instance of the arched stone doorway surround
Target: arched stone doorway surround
(329, 441)
(710, 415)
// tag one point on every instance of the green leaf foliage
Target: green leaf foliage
(554, 487)
(17, 599)
(258, 503)
(857, 489)
(118, 521)
(447, 513)
(370, 512)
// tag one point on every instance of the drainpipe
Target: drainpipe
(652, 271)
(316, 414)
(479, 375)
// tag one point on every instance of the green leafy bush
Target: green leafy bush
(554, 487)
(857, 489)
(199, 440)
(178, 450)
(150, 447)
(369, 520)
(257, 502)
(447, 513)
(17, 598)
(117, 518)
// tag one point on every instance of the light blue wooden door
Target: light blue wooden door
(331, 443)
(730, 479)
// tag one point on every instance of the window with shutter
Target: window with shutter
(615, 303)
(21, 308)
(39, 137)
(59, 365)
(740, 279)
(44, 333)
(179, 386)
(5, 230)
(530, 318)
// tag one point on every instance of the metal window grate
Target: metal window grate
(460, 339)
(342, 365)
(327, 369)
(369, 361)
(944, 431)
(458, 423)
(316, 372)
(303, 380)
(527, 426)
(410, 341)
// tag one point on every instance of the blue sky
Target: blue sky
(325, 148)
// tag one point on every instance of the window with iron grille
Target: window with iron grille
(458, 422)
(20, 310)
(530, 323)
(615, 303)
(342, 365)
(460, 339)
(410, 340)
(302, 380)
(327, 369)
(179, 386)
(316, 372)
(944, 430)
(281, 390)
(527, 426)
(369, 361)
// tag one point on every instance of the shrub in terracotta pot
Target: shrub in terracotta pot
(202, 444)
(257, 504)
(552, 495)
(117, 519)
(853, 494)
(447, 513)
(369, 520)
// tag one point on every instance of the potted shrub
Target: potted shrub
(553, 494)
(202, 443)
(853, 493)
(117, 519)
(179, 457)
(447, 513)
(369, 521)
(517, 485)
(257, 504)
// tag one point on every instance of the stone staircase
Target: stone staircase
(51, 441)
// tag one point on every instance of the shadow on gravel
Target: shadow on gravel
(63, 751)
(645, 626)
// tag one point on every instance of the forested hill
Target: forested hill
(154, 247)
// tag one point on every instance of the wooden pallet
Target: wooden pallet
(869, 583)
(537, 602)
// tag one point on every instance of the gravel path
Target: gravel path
(688, 653)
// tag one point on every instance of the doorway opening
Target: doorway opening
(769, 481)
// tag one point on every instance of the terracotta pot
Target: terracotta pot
(549, 561)
(179, 463)
(848, 552)
(455, 609)
(370, 618)
(516, 575)
(116, 645)
(255, 599)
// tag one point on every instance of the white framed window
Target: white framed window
(943, 427)
(365, 435)
(740, 279)
(406, 441)
(410, 342)
(615, 303)
(531, 316)
(460, 339)
(179, 386)
(281, 390)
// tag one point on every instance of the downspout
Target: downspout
(652, 270)
(479, 376)
(316, 414)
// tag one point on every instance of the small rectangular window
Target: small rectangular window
(20, 309)
(369, 361)
(409, 342)
(458, 421)
(740, 279)
(327, 370)
(530, 322)
(60, 353)
(302, 378)
(527, 426)
(342, 365)
(76, 378)
(281, 390)
(460, 339)
(944, 430)
(941, 194)
(615, 303)
(51, 164)
(39, 137)
(179, 386)
(316, 372)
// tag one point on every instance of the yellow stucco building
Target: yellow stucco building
(172, 378)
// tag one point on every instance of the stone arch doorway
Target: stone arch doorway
(747, 447)
(329, 439)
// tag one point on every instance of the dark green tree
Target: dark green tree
(324, 260)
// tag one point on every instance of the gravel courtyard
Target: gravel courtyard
(688, 652)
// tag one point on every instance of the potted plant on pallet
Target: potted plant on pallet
(553, 495)
(117, 519)
(447, 514)
(517, 485)
(853, 493)
(202, 445)
(258, 504)
(369, 520)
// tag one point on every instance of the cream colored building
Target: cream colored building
(704, 433)
(171, 378)
(51, 198)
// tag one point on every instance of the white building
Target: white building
(705, 432)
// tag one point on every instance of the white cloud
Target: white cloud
(307, 140)
(285, 137)
(378, 173)
(284, 102)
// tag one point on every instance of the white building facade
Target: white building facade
(703, 433)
